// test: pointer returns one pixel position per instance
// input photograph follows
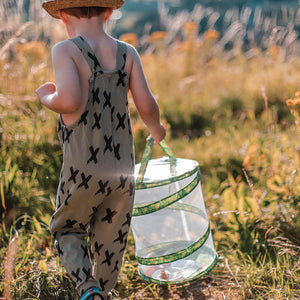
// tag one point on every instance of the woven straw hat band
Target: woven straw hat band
(53, 6)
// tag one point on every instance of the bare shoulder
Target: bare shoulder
(133, 58)
(132, 53)
(64, 49)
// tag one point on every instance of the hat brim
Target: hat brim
(54, 6)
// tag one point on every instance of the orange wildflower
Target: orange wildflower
(190, 29)
(157, 36)
(211, 35)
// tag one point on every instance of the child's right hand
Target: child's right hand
(159, 134)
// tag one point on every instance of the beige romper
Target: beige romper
(96, 189)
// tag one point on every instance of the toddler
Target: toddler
(94, 73)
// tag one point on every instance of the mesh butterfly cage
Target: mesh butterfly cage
(170, 226)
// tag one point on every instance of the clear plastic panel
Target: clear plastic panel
(185, 220)
(161, 169)
(183, 269)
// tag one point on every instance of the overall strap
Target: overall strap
(121, 56)
(87, 52)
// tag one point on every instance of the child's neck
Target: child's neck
(93, 27)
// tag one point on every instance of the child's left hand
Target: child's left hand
(45, 90)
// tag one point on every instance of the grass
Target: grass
(223, 108)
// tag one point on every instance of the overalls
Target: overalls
(96, 189)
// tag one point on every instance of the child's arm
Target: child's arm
(65, 96)
(145, 103)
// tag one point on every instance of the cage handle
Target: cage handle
(147, 155)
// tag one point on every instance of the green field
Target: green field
(225, 108)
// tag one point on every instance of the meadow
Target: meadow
(234, 108)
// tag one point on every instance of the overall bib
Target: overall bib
(96, 189)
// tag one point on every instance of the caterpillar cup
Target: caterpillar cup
(170, 225)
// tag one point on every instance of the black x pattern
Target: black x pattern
(121, 120)
(122, 182)
(107, 100)
(121, 237)
(85, 250)
(117, 151)
(108, 258)
(96, 96)
(121, 78)
(82, 226)
(97, 121)
(102, 187)
(95, 209)
(102, 284)
(85, 181)
(123, 249)
(98, 248)
(108, 145)
(76, 275)
(116, 268)
(108, 191)
(87, 273)
(73, 174)
(66, 135)
(130, 189)
(94, 153)
(128, 221)
(67, 198)
(70, 223)
(94, 59)
(109, 215)
(83, 118)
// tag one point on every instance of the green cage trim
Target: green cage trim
(157, 183)
(147, 155)
(187, 208)
(207, 270)
(173, 256)
(163, 203)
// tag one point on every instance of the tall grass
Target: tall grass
(243, 136)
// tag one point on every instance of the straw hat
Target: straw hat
(53, 6)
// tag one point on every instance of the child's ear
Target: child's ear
(63, 16)
(108, 13)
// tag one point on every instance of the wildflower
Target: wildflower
(294, 106)
(157, 36)
(190, 26)
(211, 35)
(274, 51)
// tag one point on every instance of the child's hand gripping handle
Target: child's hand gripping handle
(147, 155)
